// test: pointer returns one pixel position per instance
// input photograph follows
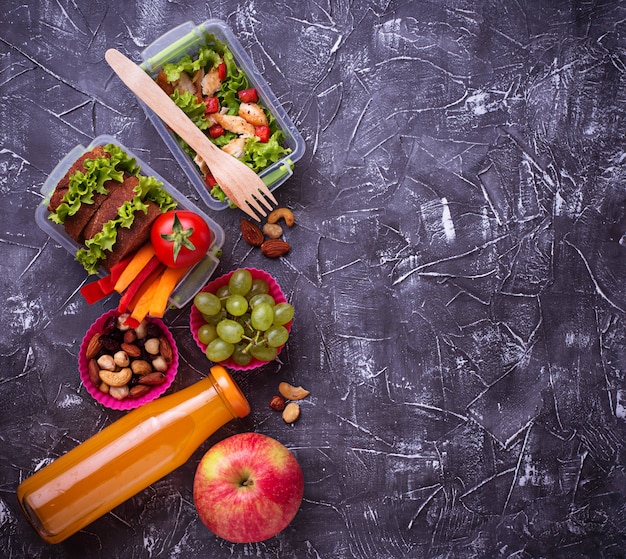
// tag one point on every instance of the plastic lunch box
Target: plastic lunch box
(186, 39)
(193, 281)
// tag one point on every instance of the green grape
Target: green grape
(262, 316)
(263, 352)
(207, 303)
(222, 292)
(276, 336)
(240, 356)
(258, 286)
(219, 350)
(207, 333)
(214, 319)
(230, 331)
(237, 305)
(240, 282)
(262, 298)
(244, 320)
(283, 313)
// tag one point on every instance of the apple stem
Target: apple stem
(248, 483)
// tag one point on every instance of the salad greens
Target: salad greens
(258, 155)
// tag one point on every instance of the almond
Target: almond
(94, 372)
(139, 390)
(93, 347)
(251, 233)
(165, 349)
(131, 350)
(152, 379)
(273, 248)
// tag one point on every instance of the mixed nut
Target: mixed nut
(128, 362)
(286, 401)
(269, 238)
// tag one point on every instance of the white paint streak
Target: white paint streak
(448, 224)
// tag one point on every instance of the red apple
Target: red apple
(248, 488)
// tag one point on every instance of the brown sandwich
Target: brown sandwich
(107, 206)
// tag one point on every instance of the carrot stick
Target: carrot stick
(134, 267)
(168, 281)
(141, 308)
(153, 277)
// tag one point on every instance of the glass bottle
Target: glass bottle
(127, 456)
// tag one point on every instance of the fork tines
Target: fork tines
(251, 203)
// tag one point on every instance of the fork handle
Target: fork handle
(146, 89)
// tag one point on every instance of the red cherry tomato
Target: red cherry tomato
(221, 69)
(212, 105)
(216, 130)
(209, 179)
(262, 133)
(180, 238)
(248, 95)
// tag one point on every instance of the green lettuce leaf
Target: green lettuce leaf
(206, 58)
(188, 102)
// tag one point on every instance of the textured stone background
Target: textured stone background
(458, 272)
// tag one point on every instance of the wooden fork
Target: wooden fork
(240, 183)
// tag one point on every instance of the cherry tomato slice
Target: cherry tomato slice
(221, 71)
(212, 105)
(248, 95)
(262, 133)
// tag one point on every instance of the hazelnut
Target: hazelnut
(106, 362)
(277, 403)
(121, 359)
(152, 346)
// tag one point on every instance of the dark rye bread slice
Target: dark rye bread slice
(129, 240)
(75, 224)
(79, 165)
(109, 207)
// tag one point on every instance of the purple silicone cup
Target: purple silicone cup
(196, 320)
(128, 403)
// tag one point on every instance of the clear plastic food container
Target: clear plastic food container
(197, 276)
(186, 39)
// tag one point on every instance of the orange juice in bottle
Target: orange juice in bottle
(127, 456)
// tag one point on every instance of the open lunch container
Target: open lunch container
(186, 39)
(197, 276)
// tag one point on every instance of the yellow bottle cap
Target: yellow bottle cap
(231, 391)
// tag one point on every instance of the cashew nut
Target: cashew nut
(292, 392)
(113, 378)
(284, 213)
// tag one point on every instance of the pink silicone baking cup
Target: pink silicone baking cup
(196, 320)
(127, 403)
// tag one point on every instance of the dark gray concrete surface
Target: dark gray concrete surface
(458, 272)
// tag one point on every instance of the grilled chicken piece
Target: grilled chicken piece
(253, 113)
(235, 124)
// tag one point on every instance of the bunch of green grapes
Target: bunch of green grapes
(242, 320)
